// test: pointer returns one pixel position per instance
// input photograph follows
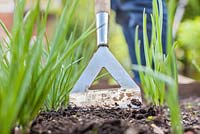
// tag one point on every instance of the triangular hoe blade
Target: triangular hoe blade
(123, 97)
(103, 58)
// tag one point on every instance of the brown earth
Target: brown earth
(146, 120)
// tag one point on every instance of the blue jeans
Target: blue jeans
(129, 14)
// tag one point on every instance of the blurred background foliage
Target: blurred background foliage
(192, 9)
(188, 37)
(189, 46)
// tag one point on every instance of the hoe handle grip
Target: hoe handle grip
(102, 6)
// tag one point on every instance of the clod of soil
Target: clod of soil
(146, 120)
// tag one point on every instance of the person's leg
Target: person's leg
(130, 14)
(164, 30)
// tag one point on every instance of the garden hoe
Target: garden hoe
(128, 95)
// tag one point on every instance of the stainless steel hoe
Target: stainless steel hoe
(123, 97)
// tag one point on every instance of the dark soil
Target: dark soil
(146, 120)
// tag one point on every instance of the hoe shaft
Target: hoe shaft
(102, 10)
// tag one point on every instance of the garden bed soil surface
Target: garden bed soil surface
(146, 120)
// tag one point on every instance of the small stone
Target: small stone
(139, 116)
(143, 111)
(136, 102)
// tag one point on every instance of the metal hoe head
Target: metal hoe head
(124, 97)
